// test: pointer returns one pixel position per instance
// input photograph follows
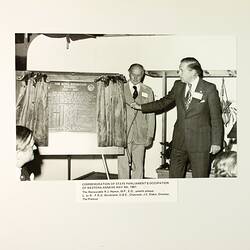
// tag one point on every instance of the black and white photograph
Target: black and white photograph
(124, 125)
(126, 106)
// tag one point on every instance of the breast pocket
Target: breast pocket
(200, 105)
(144, 100)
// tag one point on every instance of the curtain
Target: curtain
(32, 106)
(111, 111)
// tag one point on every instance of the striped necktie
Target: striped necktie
(188, 97)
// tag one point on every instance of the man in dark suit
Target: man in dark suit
(198, 130)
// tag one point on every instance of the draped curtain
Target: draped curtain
(111, 111)
(32, 107)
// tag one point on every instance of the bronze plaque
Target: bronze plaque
(72, 106)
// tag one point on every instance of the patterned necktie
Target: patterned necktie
(188, 97)
(135, 94)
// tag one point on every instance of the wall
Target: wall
(114, 55)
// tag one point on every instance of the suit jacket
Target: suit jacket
(201, 125)
(139, 126)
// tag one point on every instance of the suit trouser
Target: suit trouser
(134, 153)
(200, 163)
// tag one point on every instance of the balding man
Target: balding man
(140, 127)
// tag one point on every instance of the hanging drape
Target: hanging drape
(229, 113)
(111, 111)
(32, 106)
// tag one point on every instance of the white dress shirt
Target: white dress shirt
(194, 84)
(131, 85)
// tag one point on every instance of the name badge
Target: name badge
(144, 94)
(197, 95)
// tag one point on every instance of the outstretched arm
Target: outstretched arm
(159, 105)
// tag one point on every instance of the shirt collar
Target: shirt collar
(131, 85)
(194, 83)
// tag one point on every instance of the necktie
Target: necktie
(135, 94)
(188, 97)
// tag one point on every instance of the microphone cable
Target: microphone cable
(129, 154)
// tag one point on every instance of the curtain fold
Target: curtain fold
(111, 112)
(32, 107)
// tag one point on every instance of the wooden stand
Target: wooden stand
(116, 151)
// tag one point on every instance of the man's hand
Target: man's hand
(136, 106)
(149, 142)
(214, 149)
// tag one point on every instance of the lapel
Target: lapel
(199, 86)
(139, 97)
(128, 94)
(198, 89)
(182, 94)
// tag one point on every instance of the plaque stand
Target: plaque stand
(103, 161)
(105, 166)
